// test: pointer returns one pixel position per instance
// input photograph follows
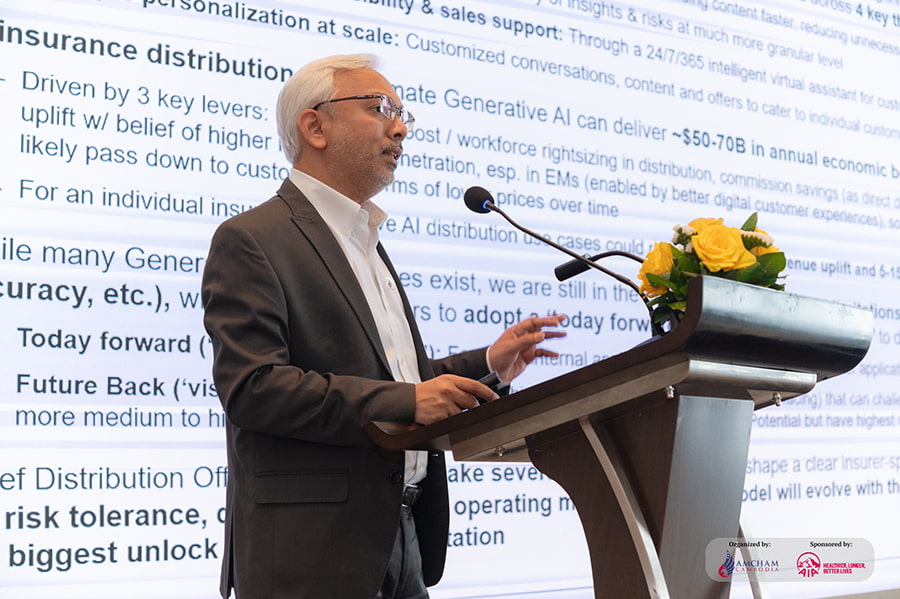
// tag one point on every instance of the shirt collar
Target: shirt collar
(338, 211)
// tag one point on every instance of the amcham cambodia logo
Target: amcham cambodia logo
(727, 567)
(808, 564)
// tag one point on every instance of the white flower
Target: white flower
(766, 240)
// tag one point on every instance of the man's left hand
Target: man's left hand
(517, 346)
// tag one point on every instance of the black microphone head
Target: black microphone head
(571, 268)
(477, 200)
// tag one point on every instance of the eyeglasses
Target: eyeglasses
(387, 108)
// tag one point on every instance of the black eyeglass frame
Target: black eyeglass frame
(387, 109)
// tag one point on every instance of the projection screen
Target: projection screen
(132, 128)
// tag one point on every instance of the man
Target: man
(314, 337)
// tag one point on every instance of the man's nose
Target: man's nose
(399, 130)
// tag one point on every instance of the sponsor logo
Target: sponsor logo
(808, 564)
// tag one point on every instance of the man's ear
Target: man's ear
(309, 125)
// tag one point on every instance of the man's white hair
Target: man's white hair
(312, 84)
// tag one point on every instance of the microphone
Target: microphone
(576, 267)
(480, 200)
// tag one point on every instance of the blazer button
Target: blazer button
(396, 477)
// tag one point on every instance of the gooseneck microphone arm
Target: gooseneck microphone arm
(480, 200)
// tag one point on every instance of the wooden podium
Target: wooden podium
(651, 445)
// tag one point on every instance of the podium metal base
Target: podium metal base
(674, 468)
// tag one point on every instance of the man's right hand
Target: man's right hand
(446, 395)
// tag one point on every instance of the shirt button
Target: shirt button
(396, 477)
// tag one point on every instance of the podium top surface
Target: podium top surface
(762, 335)
(738, 323)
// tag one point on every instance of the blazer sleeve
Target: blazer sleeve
(471, 364)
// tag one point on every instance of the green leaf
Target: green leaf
(680, 306)
(686, 263)
(750, 223)
(751, 274)
(773, 263)
(751, 242)
(660, 281)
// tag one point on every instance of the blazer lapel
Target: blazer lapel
(313, 227)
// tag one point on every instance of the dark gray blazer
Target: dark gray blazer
(312, 505)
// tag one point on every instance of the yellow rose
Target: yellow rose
(698, 224)
(659, 261)
(721, 248)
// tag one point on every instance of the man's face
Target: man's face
(363, 146)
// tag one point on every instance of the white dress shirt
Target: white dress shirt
(355, 227)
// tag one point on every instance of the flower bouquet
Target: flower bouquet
(706, 246)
